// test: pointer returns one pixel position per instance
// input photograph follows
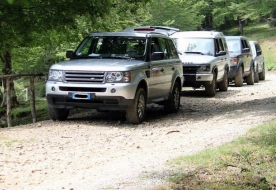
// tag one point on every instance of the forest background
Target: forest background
(36, 33)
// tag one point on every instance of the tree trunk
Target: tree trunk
(6, 70)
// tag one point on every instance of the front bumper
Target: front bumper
(195, 80)
(115, 96)
(102, 102)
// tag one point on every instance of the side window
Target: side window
(163, 47)
(244, 44)
(219, 46)
(154, 46)
(172, 50)
(258, 49)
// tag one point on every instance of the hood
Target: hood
(196, 59)
(99, 64)
(234, 54)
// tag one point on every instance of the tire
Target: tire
(211, 89)
(250, 77)
(262, 74)
(136, 113)
(223, 85)
(58, 114)
(239, 78)
(172, 104)
(256, 75)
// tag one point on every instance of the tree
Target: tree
(23, 21)
(181, 14)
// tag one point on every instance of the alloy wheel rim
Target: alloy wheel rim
(141, 106)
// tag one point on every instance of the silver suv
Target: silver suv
(205, 59)
(258, 58)
(117, 71)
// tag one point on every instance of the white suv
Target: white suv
(117, 71)
(205, 59)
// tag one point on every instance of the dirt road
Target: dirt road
(100, 151)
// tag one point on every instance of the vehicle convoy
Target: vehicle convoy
(258, 58)
(242, 67)
(205, 59)
(122, 71)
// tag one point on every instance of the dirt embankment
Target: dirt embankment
(100, 151)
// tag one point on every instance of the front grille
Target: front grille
(84, 76)
(190, 69)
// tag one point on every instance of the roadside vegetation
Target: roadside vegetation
(248, 162)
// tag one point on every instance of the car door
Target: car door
(222, 59)
(246, 54)
(158, 71)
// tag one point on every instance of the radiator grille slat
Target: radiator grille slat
(85, 76)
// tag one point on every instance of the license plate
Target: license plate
(82, 96)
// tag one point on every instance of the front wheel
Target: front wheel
(172, 104)
(223, 85)
(136, 113)
(239, 78)
(58, 114)
(211, 89)
(256, 75)
(262, 74)
(250, 77)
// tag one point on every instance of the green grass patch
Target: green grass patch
(246, 163)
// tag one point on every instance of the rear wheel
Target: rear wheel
(211, 89)
(239, 78)
(223, 85)
(58, 114)
(250, 77)
(256, 75)
(172, 104)
(262, 74)
(136, 113)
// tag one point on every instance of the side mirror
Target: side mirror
(245, 50)
(69, 54)
(221, 53)
(157, 56)
(259, 52)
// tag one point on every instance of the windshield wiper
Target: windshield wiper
(122, 57)
(194, 52)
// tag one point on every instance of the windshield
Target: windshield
(112, 47)
(204, 46)
(233, 46)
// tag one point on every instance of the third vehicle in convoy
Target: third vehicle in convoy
(242, 67)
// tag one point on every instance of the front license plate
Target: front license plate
(84, 96)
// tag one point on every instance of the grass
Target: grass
(246, 163)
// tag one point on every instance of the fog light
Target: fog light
(113, 90)
(53, 89)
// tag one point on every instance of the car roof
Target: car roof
(235, 37)
(253, 42)
(158, 29)
(198, 34)
(133, 34)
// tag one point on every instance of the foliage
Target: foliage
(181, 14)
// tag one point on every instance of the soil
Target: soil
(93, 150)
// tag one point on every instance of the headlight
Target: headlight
(204, 68)
(55, 75)
(118, 77)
